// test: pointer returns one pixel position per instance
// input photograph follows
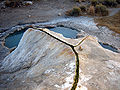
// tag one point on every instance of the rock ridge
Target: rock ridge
(42, 62)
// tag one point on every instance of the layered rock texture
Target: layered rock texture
(44, 60)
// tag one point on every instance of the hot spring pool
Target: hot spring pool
(106, 46)
(13, 39)
(66, 32)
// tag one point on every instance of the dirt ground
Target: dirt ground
(40, 11)
(112, 22)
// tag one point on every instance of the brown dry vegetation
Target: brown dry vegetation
(91, 10)
(112, 22)
(75, 11)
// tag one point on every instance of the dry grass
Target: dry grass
(112, 22)
(91, 10)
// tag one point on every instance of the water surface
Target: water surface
(13, 39)
(109, 47)
(66, 32)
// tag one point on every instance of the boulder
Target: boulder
(44, 60)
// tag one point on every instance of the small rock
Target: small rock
(27, 3)
(29, 16)
(59, 14)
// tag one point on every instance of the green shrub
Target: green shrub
(101, 1)
(110, 3)
(13, 3)
(94, 2)
(118, 1)
(83, 8)
(101, 10)
(76, 11)
(77, 0)
(83, 0)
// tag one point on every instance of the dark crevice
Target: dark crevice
(76, 77)
(54, 37)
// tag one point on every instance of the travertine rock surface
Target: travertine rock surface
(42, 62)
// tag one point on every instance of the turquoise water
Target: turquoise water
(13, 39)
(66, 32)
(108, 47)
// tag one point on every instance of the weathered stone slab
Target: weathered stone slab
(44, 60)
